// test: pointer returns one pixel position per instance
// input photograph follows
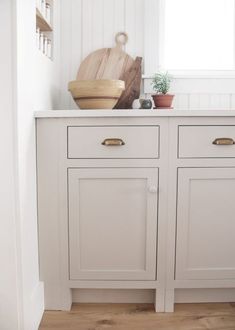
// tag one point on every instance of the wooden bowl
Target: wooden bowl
(96, 94)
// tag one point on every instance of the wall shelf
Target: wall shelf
(44, 27)
(42, 23)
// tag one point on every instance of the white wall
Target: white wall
(90, 24)
(28, 82)
(205, 93)
(37, 89)
(10, 274)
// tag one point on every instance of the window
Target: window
(198, 35)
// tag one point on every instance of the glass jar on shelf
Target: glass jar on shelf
(48, 13)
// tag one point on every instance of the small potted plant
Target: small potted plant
(161, 84)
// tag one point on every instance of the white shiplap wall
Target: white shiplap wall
(87, 25)
(201, 93)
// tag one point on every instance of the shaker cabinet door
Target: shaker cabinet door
(113, 223)
(205, 224)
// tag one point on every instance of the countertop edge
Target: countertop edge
(132, 113)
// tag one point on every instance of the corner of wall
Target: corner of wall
(35, 309)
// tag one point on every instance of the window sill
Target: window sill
(230, 74)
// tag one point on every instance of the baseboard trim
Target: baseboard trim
(147, 296)
(113, 296)
(204, 295)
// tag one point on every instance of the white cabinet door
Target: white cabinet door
(113, 223)
(206, 224)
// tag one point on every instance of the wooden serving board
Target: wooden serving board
(132, 78)
(107, 63)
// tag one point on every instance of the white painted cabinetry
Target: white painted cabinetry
(113, 223)
(100, 226)
(200, 253)
(137, 200)
(92, 142)
(205, 224)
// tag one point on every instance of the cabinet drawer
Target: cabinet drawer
(206, 141)
(113, 142)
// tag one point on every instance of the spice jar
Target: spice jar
(48, 12)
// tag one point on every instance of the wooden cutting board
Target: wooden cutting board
(132, 78)
(107, 63)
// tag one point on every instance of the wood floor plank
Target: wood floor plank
(141, 317)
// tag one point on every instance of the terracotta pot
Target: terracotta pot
(163, 100)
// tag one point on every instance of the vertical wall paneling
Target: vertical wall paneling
(181, 101)
(220, 101)
(232, 100)
(204, 101)
(66, 51)
(119, 15)
(134, 13)
(130, 23)
(139, 28)
(87, 25)
(193, 102)
(161, 32)
(151, 36)
(76, 41)
(108, 23)
(98, 23)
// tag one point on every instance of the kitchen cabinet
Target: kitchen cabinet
(201, 142)
(100, 226)
(205, 224)
(113, 223)
(135, 142)
(137, 200)
(200, 262)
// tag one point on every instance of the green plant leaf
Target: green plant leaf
(161, 82)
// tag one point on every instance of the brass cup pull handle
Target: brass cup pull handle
(223, 142)
(113, 142)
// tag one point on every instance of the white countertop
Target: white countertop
(133, 113)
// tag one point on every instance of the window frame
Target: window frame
(186, 73)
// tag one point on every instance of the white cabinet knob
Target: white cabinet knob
(153, 189)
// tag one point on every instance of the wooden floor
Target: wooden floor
(141, 317)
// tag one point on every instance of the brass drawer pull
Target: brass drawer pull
(223, 142)
(113, 142)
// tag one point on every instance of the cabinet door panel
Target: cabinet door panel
(206, 223)
(113, 223)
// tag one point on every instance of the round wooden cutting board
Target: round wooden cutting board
(107, 63)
